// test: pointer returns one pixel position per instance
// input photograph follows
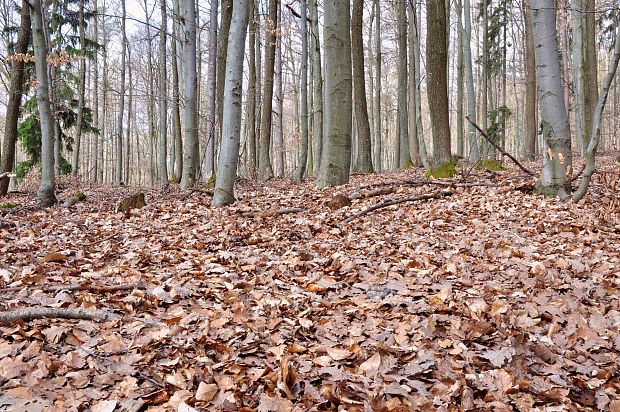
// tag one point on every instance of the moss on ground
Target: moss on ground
(490, 165)
(443, 171)
(9, 205)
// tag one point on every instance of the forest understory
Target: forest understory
(487, 298)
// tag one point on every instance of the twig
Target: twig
(27, 314)
(579, 173)
(364, 194)
(423, 182)
(396, 201)
(273, 212)
(95, 288)
(498, 148)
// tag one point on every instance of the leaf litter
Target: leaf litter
(488, 299)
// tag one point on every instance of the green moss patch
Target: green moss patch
(444, 171)
(8, 206)
(490, 165)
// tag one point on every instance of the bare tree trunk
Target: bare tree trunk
(209, 161)
(16, 91)
(231, 126)
(191, 150)
(531, 103)
(418, 81)
(460, 80)
(176, 95)
(378, 89)
(278, 128)
(363, 161)
(265, 171)
(590, 70)
(97, 137)
(437, 82)
(300, 170)
(317, 82)
(47, 187)
(251, 100)
(598, 114)
(411, 86)
(402, 149)
(130, 124)
(163, 96)
(104, 102)
(77, 139)
(121, 99)
(336, 162)
(474, 152)
(225, 18)
(557, 160)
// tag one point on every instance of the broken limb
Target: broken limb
(27, 314)
(396, 201)
(499, 149)
(274, 212)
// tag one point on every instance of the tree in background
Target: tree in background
(336, 160)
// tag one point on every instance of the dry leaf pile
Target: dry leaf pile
(488, 299)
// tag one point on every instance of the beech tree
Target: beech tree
(336, 160)
(555, 177)
(231, 126)
(47, 187)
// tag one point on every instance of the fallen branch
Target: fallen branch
(424, 182)
(6, 175)
(26, 314)
(364, 194)
(499, 149)
(579, 173)
(95, 288)
(273, 212)
(396, 201)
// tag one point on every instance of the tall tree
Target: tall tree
(404, 157)
(191, 152)
(437, 82)
(97, 136)
(278, 127)
(223, 33)
(121, 97)
(209, 161)
(300, 170)
(163, 96)
(474, 152)
(77, 140)
(555, 177)
(412, 87)
(16, 90)
(417, 18)
(378, 90)
(265, 171)
(531, 103)
(317, 86)
(363, 161)
(46, 193)
(251, 100)
(231, 126)
(177, 146)
(336, 160)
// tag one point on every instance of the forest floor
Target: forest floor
(491, 298)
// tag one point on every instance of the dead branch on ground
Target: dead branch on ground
(273, 212)
(499, 149)
(26, 314)
(395, 201)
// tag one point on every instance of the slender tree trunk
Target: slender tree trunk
(191, 152)
(209, 161)
(378, 89)
(418, 93)
(411, 86)
(46, 193)
(163, 96)
(104, 102)
(278, 128)
(16, 91)
(77, 139)
(176, 97)
(484, 109)
(557, 158)
(317, 85)
(590, 70)
(265, 171)
(460, 81)
(437, 82)
(404, 158)
(121, 99)
(531, 103)
(130, 120)
(251, 100)
(97, 137)
(226, 16)
(336, 162)
(300, 170)
(231, 126)
(363, 161)
(474, 152)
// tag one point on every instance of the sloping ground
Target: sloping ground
(491, 298)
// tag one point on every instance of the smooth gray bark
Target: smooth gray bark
(47, 187)
(414, 148)
(163, 96)
(336, 161)
(555, 177)
(251, 100)
(418, 80)
(265, 170)
(474, 152)
(191, 151)
(278, 127)
(121, 98)
(300, 170)
(233, 91)
(77, 137)
(209, 161)
(378, 89)
(363, 160)
(531, 103)
(317, 86)
(402, 149)
(177, 145)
